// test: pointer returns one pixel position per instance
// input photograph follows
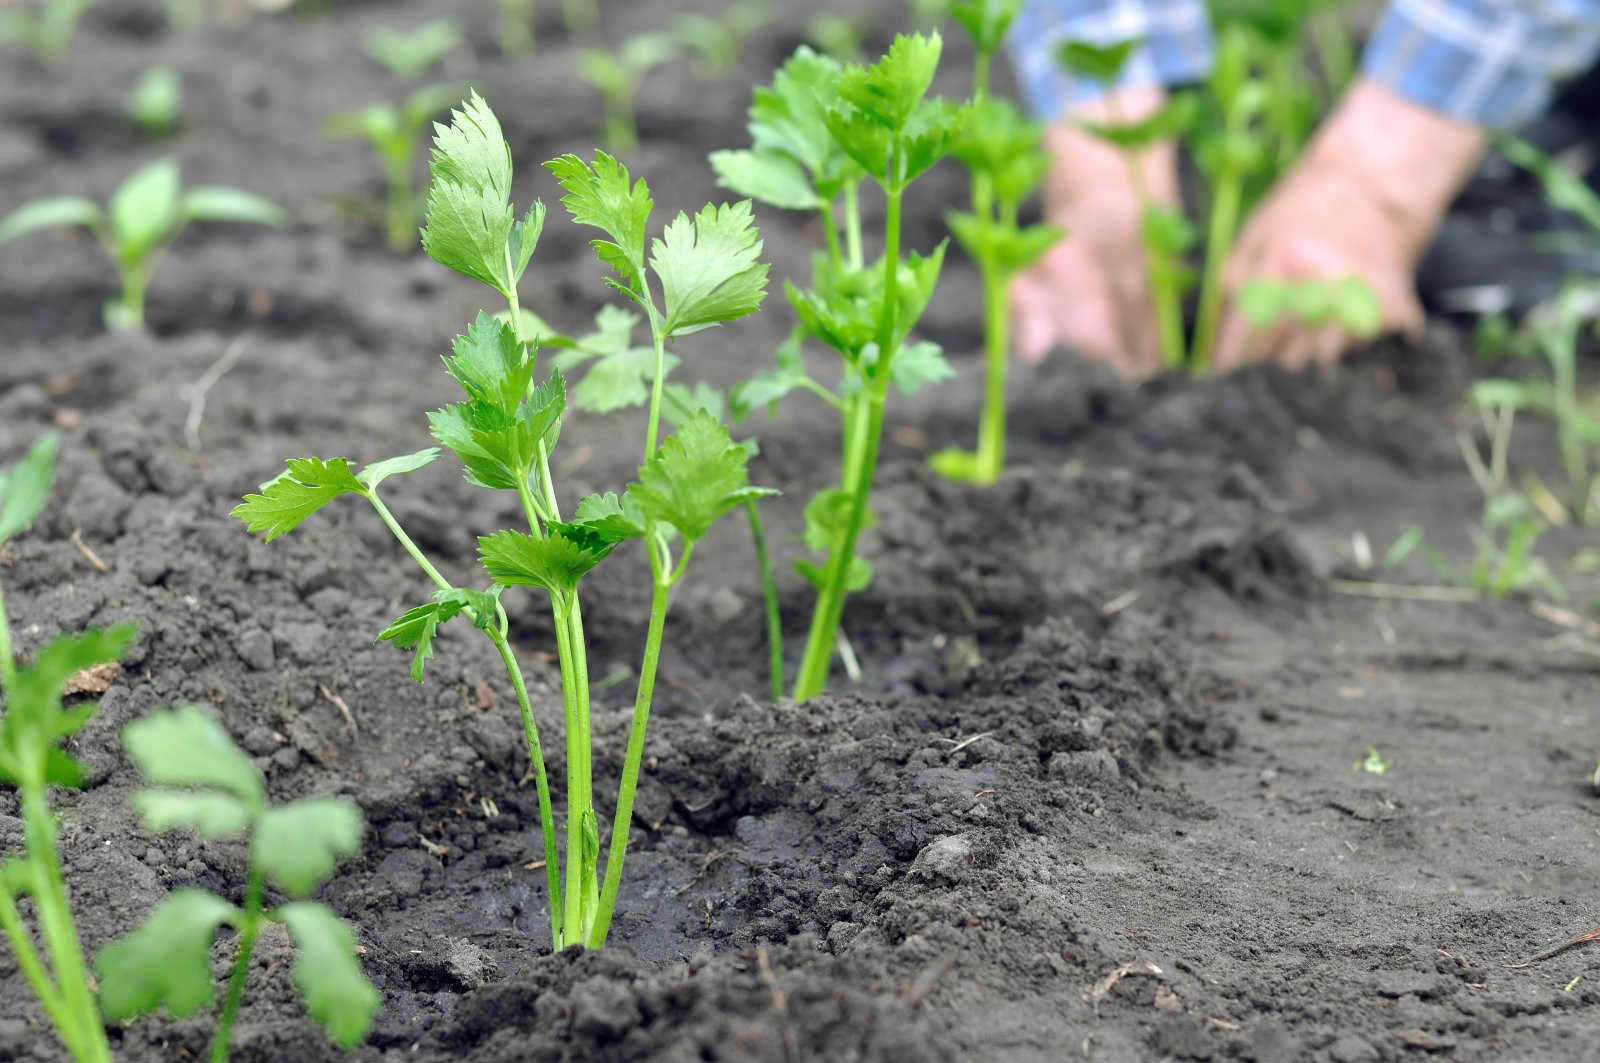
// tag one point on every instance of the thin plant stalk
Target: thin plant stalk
(400, 211)
(818, 657)
(248, 929)
(769, 597)
(991, 456)
(1227, 198)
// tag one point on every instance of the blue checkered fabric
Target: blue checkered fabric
(1492, 62)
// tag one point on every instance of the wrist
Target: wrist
(1409, 160)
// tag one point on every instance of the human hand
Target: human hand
(1364, 199)
(1091, 291)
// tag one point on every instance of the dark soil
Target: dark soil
(1094, 797)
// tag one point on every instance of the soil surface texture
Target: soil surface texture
(1099, 793)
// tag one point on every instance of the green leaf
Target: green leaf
(856, 579)
(996, 135)
(338, 995)
(825, 517)
(934, 128)
(609, 518)
(986, 21)
(379, 123)
(374, 474)
(298, 845)
(709, 268)
(488, 363)
(1564, 188)
(407, 53)
(622, 373)
(425, 103)
(889, 90)
(415, 628)
(25, 486)
(1097, 62)
(770, 177)
(306, 486)
(695, 476)
(1173, 119)
(34, 720)
(765, 389)
(556, 562)
(166, 962)
(496, 446)
(156, 99)
(917, 364)
(790, 117)
(599, 194)
(217, 203)
(468, 220)
(679, 402)
(1166, 230)
(50, 213)
(144, 209)
(183, 747)
(211, 815)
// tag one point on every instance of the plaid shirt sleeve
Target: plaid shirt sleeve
(1491, 62)
(1176, 34)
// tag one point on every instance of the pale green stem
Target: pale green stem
(852, 223)
(33, 970)
(248, 929)
(1225, 203)
(769, 595)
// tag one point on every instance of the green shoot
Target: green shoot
(1167, 235)
(1373, 763)
(1563, 188)
(1553, 330)
(31, 760)
(395, 134)
(617, 77)
(515, 32)
(1347, 302)
(579, 16)
(716, 40)
(145, 215)
(46, 27)
(155, 103)
(706, 272)
(1002, 153)
(203, 783)
(836, 36)
(409, 53)
(818, 131)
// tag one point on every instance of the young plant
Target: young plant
(395, 134)
(515, 33)
(1002, 153)
(145, 215)
(203, 783)
(155, 103)
(716, 40)
(818, 131)
(31, 759)
(617, 77)
(409, 53)
(44, 26)
(1553, 330)
(1166, 233)
(503, 431)
(1347, 302)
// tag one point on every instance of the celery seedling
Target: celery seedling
(156, 101)
(408, 53)
(45, 26)
(202, 782)
(145, 215)
(716, 39)
(504, 430)
(817, 131)
(32, 760)
(1166, 233)
(395, 133)
(515, 33)
(617, 76)
(1347, 302)
(1001, 151)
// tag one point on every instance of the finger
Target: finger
(1238, 343)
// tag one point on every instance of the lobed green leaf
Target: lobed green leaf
(600, 194)
(298, 845)
(337, 993)
(373, 474)
(769, 176)
(415, 628)
(556, 562)
(304, 487)
(695, 476)
(710, 268)
(166, 962)
(25, 486)
(209, 814)
(889, 90)
(469, 225)
(1097, 62)
(34, 720)
(986, 21)
(184, 747)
